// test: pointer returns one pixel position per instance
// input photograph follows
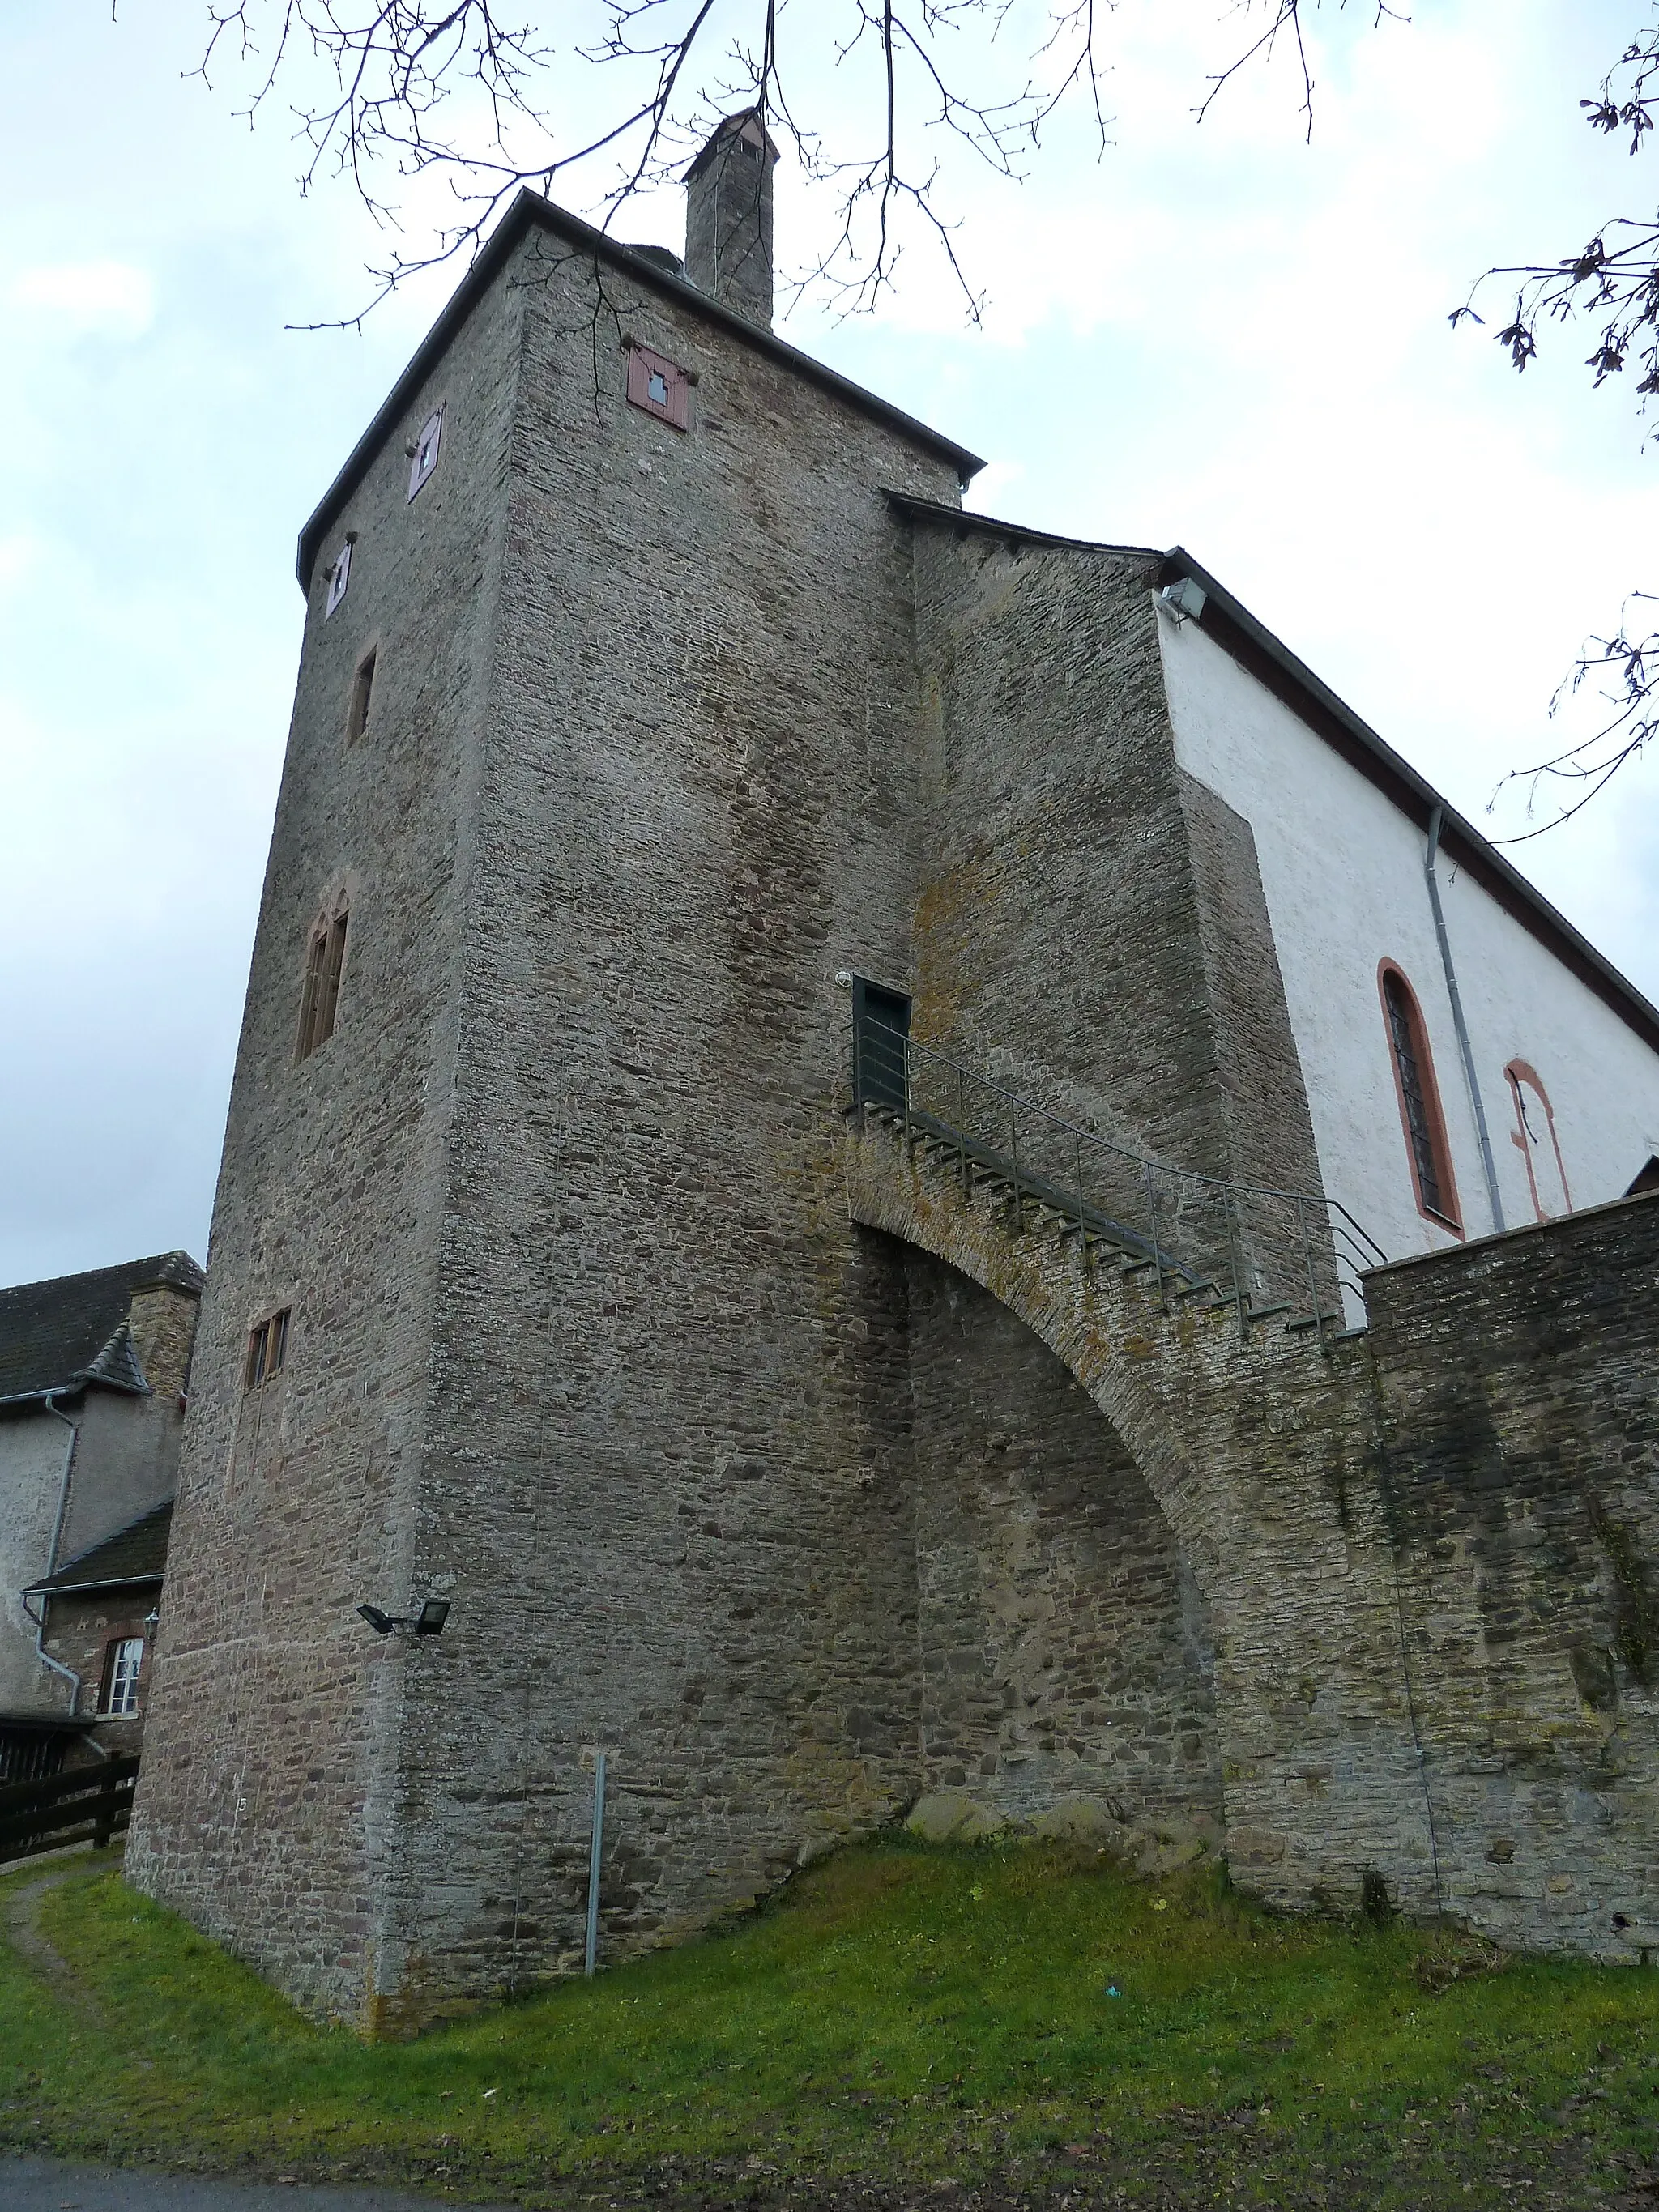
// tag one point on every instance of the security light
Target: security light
(1183, 599)
(429, 1621)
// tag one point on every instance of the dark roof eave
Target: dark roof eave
(1252, 644)
(1236, 630)
(531, 208)
(155, 1578)
(73, 1388)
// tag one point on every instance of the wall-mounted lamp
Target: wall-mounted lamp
(1183, 600)
(429, 1621)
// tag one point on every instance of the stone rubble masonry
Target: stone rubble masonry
(1426, 1551)
(744, 1447)
(728, 218)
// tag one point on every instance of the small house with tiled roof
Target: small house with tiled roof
(94, 1370)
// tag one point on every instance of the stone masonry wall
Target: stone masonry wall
(1057, 935)
(274, 1714)
(1427, 1551)
(1518, 1382)
(1067, 1651)
(668, 1450)
(1091, 928)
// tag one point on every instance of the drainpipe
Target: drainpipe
(40, 1651)
(1469, 1076)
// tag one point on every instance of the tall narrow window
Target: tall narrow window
(1418, 1097)
(267, 1350)
(122, 1661)
(362, 689)
(1541, 1148)
(321, 997)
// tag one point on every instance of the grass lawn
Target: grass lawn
(1017, 2022)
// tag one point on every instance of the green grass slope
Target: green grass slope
(1009, 2021)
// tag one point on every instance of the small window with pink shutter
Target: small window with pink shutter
(660, 387)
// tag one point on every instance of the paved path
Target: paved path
(51, 2184)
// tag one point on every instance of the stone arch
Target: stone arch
(1066, 1655)
(1149, 1374)
(1261, 1452)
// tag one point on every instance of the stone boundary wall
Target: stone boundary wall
(1427, 1551)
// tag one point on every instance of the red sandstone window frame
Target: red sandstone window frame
(1515, 1074)
(267, 1350)
(1448, 1214)
(645, 369)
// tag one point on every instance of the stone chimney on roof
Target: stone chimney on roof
(728, 217)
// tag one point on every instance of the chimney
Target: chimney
(162, 1319)
(728, 217)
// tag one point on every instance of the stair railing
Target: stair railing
(1263, 1250)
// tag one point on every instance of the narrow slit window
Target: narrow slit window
(1418, 1099)
(320, 1000)
(362, 691)
(267, 1350)
(122, 1661)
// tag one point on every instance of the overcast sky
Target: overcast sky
(1217, 335)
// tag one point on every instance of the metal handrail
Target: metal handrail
(1254, 1245)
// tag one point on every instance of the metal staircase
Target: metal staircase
(1296, 1257)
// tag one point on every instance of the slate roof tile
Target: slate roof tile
(64, 1333)
(136, 1553)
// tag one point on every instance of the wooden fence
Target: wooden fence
(87, 1805)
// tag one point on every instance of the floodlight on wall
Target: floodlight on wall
(429, 1621)
(1183, 601)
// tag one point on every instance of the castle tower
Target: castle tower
(527, 1287)
(728, 217)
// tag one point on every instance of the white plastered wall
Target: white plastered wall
(1342, 873)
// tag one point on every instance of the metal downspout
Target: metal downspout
(1469, 1076)
(40, 1651)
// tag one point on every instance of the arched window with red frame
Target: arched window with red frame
(1427, 1152)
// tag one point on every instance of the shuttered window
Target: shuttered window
(338, 577)
(320, 999)
(267, 1350)
(423, 454)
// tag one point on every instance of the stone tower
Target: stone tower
(728, 217)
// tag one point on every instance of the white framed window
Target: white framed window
(423, 454)
(338, 577)
(121, 1664)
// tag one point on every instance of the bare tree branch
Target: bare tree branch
(1614, 281)
(1626, 670)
